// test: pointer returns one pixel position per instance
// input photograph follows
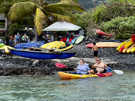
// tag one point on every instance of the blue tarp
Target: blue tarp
(29, 45)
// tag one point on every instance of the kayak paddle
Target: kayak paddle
(119, 72)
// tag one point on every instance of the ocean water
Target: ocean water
(51, 88)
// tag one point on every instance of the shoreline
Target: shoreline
(24, 66)
(16, 65)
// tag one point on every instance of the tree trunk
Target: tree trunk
(36, 34)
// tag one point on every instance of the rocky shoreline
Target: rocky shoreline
(14, 65)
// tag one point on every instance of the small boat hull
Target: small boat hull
(68, 76)
(41, 55)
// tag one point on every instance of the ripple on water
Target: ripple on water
(51, 88)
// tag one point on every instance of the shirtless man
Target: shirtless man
(99, 66)
(95, 50)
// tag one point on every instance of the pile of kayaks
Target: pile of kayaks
(127, 46)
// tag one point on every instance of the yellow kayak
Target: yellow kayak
(68, 76)
(54, 45)
(64, 49)
(6, 48)
(123, 43)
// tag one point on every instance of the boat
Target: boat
(29, 45)
(41, 54)
(64, 49)
(104, 44)
(68, 76)
(79, 39)
(100, 32)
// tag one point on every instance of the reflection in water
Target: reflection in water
(51, 88)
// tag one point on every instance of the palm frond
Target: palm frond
(69, 0)
(40, 19)
(66, 6)
(62, 17)
(58, 10)
(20, 10)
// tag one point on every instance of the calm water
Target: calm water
(51, 88)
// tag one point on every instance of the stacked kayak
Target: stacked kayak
(127, 46)
(29, 45)
(5, 48)
(68, 76)
(79, 40)
(54, 45)
(104, 45)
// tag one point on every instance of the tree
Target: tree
(42, 11)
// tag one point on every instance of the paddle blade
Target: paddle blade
(118, 72)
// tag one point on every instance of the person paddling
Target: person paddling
(82, 68)
(99, 66)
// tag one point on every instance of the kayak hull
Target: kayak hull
(68, 76)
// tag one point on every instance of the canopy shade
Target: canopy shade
(62, 26)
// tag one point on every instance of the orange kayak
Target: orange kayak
(68, 76)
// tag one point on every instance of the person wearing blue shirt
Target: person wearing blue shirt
(82, 68)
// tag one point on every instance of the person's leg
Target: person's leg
(99, 70)
(95, 54)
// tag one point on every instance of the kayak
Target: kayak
(68, 76)
(104, 45)
(79, 39)
(65, 49)
(99, 32)
(60, 65)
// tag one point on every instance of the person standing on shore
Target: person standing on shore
(95, 50)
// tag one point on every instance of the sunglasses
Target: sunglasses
(97, 60)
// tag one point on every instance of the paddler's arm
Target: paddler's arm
(93, 66)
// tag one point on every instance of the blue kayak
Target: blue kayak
(29, 45)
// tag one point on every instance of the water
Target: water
(51, 88)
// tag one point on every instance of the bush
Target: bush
(13, 28)
(113, 8)
(82, 19)
(120, 25)
(123, 36)
(85, 21)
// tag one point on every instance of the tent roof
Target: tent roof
(62, 26)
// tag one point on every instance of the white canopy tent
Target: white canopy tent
(62, 26)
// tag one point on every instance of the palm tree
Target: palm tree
(44, 12)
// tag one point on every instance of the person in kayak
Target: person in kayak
(82, 68)
(95, 50)
(99, 66)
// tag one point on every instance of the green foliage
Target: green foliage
(83, 19)
(122, 26)
(20, 10)
(14, 27)
(123, 36)
(6, 4)
(112, 9)
(98, 14)
(61, 11)
(2, 24)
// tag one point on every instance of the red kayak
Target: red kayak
(100, 32)
(105, 74)
(60, 65)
